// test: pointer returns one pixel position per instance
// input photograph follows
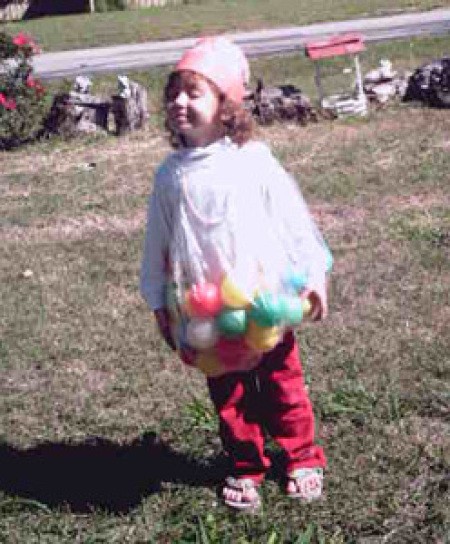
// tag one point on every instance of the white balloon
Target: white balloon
(202, 333)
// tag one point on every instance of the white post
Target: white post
(92, 5)
(318, 79)
(359, 81)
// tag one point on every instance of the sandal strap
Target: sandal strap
(307, 484)
(300, 473)
(241, 494)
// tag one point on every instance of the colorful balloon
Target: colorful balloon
(203, 300)
(172, 300)
(330, 260)
(295, 281)
(262, 338)
(307, 306)
(232, 295)
(201, 333)
(234, 353)
(266, 310)
(208, 363)
(232, 322)
(292, 309)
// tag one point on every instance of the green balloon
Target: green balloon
(329, 260)
(232, 322)
(172, 295)
(292, 310)
(266, 310)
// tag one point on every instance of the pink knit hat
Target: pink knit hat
(220, 61)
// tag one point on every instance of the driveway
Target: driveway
(140, 56)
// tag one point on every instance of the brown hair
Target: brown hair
(236, 121)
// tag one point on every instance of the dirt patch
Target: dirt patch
(83, 378)
(122, 298)
(445, 144)
(74, 229)
(417, 201)
(347, 218)
(330, 218)
(64, 159)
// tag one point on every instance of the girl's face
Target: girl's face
(192, 106)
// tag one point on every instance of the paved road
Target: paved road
(122, 58)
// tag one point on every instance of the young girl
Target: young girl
(222, 203)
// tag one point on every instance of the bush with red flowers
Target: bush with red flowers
(22, 96)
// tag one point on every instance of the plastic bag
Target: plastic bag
(237, 271)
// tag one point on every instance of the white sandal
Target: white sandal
(242, 494)
(305, 484)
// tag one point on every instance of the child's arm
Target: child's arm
(163, 322)
(153, 268)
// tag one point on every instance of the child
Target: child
(214, 197)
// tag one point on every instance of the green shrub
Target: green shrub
(22, 97)
(101, 6)
(118, 4)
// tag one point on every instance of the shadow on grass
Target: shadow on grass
(99, 473)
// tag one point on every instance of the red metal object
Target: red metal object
(345, 44)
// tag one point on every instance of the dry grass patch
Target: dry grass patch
(85, 380)
(72, 229)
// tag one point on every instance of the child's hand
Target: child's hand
(163, 321)
(318, 301)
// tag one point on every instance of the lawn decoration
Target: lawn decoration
(383, 84)
(430, 84)
(349, 101)
(129, 106)
(78, 111)
(280, 103)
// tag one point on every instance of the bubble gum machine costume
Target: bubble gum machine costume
(230, 245)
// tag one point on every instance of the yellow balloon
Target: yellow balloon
(232, 296)
(208, 363)
(307, 306)
(262, 338)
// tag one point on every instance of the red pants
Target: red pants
(271, 397)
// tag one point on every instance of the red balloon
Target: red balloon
(234, 353)
(203, 300)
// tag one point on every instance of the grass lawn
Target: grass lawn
(106, 438)
(207, 16)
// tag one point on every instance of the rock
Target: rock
(281, 103)
(383, 73)
(383, 83)
(430, 84)
(78, 111)
(129, 106)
